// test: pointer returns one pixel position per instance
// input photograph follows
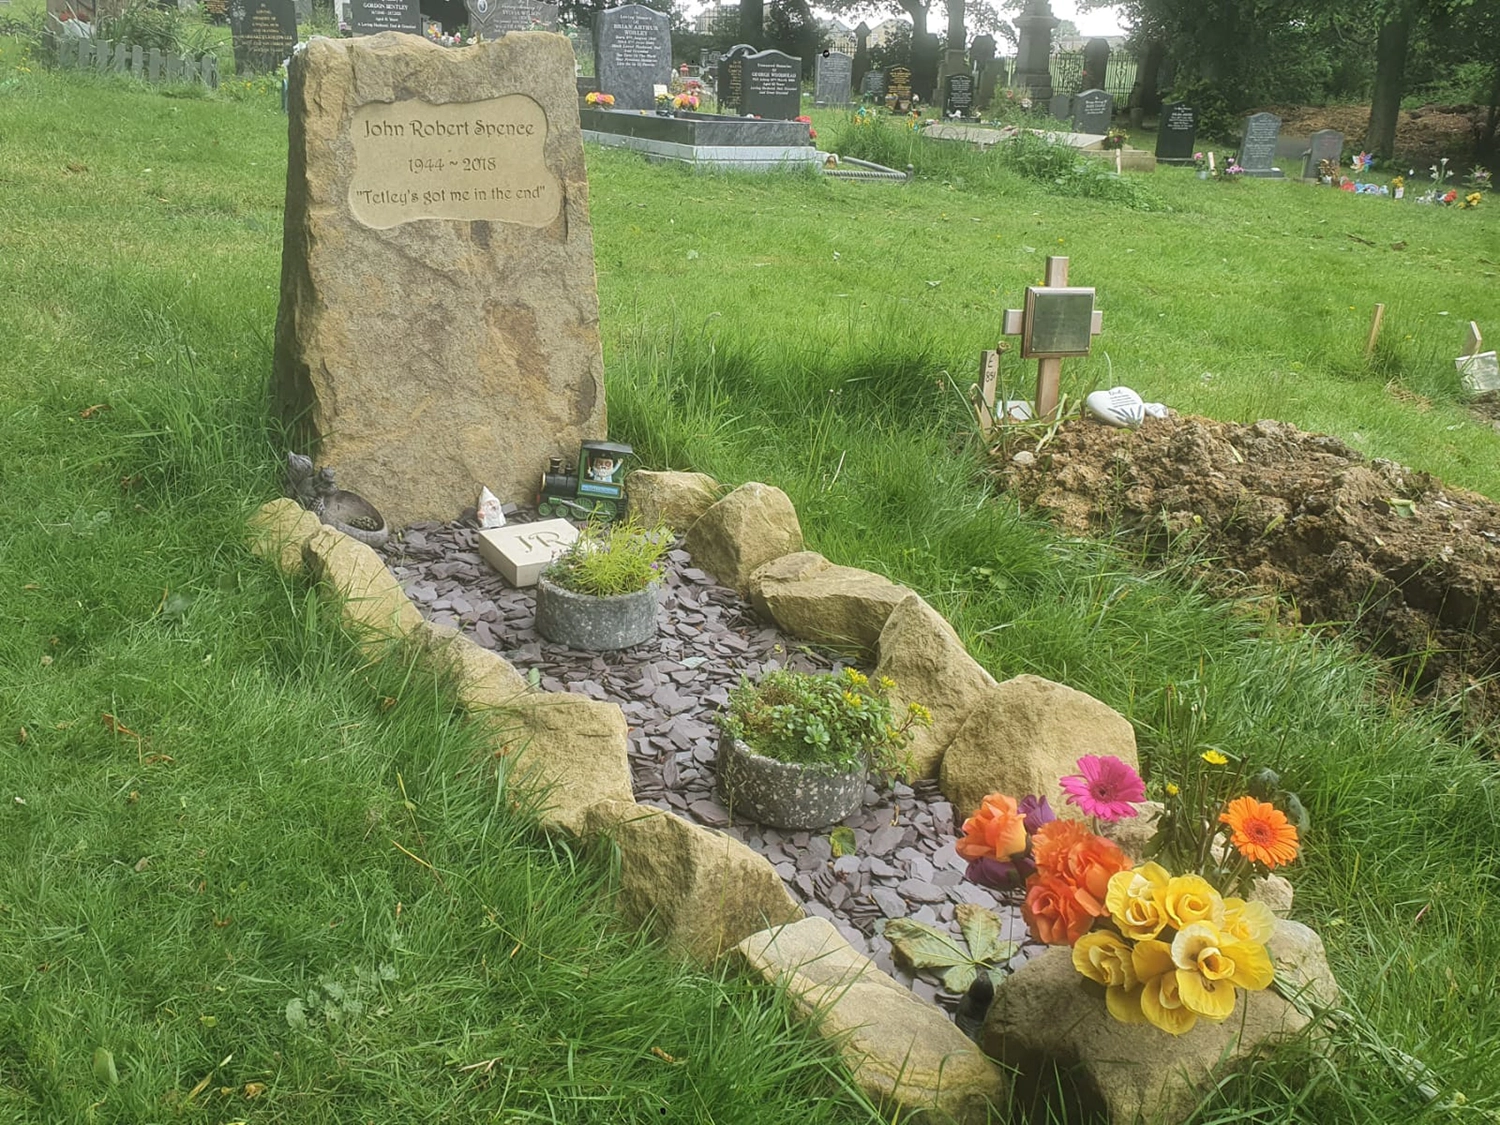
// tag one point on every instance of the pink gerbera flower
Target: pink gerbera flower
(1104, 787)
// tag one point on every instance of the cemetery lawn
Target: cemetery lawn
(277, 884)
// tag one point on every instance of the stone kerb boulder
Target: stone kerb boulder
(742, 532)
(1025, 735)
(279, 529)
(816, 600)
(698, 890)
(1046, 1014)
(371, 601)
(674, 499)
(904, 1052)
(483, 680)
(921, 652)
(574, 751)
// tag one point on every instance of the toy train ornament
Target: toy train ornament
(596, 491)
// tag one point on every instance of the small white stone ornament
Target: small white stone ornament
(1121, 406)
(490, 511)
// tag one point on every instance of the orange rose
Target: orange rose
(1069, 851)
(1053, 912)
(1052, 842)
(996, 831)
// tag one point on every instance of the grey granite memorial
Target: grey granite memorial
(1093, 110)
(832, 73)
(982, 55)
(773, 86)
(371, 17)
(958, 95)
(1325, 144)
(731, 85)
(1033, 73)
(1176, 133)
(633, 54)
(263, 32)
(1095, 62)
(873, 85)
(1257, 155)
(491, 19)
(1060, 106)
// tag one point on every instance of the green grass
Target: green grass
(803, 332)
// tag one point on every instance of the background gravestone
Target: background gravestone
(1060, 106)
(1257, 155)
(264, 33)
(1176, 133)
(873, 85)
(439, 324)
(832, 74)
(958, 95)
(1095, 62)
(1325, 144)
(494, 18)
(898, 88)
(773, 86)
(304, 10)
(1093, 110)
(982, 55)
(731, 87)
(370, 17)
(633, 54)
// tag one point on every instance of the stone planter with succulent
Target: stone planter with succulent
(798, 747)
(602, 592)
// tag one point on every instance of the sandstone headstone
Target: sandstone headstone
(634, 54)
(742, 532)
(904, 1052)
(815, 600)
(921, 652)
(701, 890)
(1047, 1014)
(263, 33)
(674, 499)
(1023, 736)
(521, 551)
(439, 322)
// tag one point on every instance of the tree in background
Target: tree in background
(793, 28)
(753, 22)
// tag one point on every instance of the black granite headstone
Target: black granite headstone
(1325, 144)
(898, 88)
(1257, 155)
(1060, 106)
(634, 54)
(370, 17)
(773, 86)
(873, 85)
(1093, 110)
(264, 33)
(494, 18)
(1176, 133)
(831, 77)
(1095, 62)
(732, 77)
(958, 95)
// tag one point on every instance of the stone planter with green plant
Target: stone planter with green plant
(602, 593)
(797, 747)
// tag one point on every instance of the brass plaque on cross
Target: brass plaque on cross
(1058, 322)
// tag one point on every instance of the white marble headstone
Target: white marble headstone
(521, 551)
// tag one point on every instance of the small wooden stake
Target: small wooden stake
(1049, 371)
(989, 378)
(1374, 330)
(1119, 155)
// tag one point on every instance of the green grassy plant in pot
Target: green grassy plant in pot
(602, 593)
(798, 747)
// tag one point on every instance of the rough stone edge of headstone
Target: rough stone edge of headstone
(813, 1002)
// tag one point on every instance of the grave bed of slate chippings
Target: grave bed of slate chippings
(904, 864)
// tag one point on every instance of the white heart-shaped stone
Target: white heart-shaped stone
(1118, 406)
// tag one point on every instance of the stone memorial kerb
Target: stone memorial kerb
(438, 328)
(632, 54)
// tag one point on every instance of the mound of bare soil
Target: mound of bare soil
(1425, 135)
(1408, 567)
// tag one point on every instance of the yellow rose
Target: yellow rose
(1106, 958)
(1210, 964)
(1191, 898)
(1248, 921)
(1134, 901)
(1160, 999)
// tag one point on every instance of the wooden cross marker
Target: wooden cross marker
(1056, 322)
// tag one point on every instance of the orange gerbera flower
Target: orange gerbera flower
(1261, 832)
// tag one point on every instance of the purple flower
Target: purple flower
(1036, 812)
(1000, 874)
(1104, 787)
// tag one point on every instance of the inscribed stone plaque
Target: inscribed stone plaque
(832, 75)
(1058, 322)
(731, 82)
(634, 54)
(958, 95)
(898, 88)
(521, 551)
(432, 344)
(493, 18)
(1325, 144)
(1257, 155)
(1176, 133)
(371, 17)
(473, 160)
(1092, 112)
(264, 33)
(773, 86)
(873, 85)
